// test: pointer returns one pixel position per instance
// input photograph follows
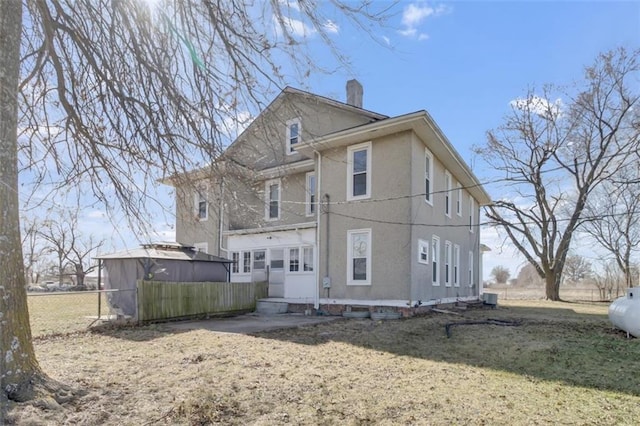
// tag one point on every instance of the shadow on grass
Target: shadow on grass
(134, 332)
(551, 344)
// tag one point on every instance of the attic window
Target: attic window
(293, 135)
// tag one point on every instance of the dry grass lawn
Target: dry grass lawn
(562, 365)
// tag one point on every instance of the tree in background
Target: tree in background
(614, 212)
(528, 277)
(576, 269)
(554, 154)
(114, 95)
(35, 253)
(500, 274)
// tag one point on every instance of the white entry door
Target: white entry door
(276, 272)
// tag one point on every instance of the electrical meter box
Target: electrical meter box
(326, 282)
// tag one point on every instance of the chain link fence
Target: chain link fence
(63, 312)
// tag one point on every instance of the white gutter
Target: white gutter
(316, 302)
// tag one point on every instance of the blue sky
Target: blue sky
(463, 62)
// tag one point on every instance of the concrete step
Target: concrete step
(268, 307)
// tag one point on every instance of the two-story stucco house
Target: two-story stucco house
(335, 204)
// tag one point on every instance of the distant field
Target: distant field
(62, 312)
(561, 364)
(568, 293)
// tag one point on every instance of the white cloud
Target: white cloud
(414, 15)
(331, 27)
(386, 40)
(295, 27)
(538, 105)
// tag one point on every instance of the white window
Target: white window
(311, 194)
(359, 171)
(272, 200)
(201, 206)
(246, 262)
(294, 260)
(423, 252)
(470, 269)
(294, 130)
(447, 193)
(359, 257)
(472, 212)
(203, 247)
(458, 199)
(456, 265)
(307, 259)
(435, 260)
(235, 266)
(428, 177)
(447, 263)
(259, 260)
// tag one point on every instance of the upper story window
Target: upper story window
(311, 194)
(428, 177)
(359, 171)
(201, 206)
(447, 194)
(458, 199)
(272, 200)
(294, 130)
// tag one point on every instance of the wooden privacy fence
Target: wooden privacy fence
(160, 300)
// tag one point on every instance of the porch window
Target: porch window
(246, 262)
(235, 257)
(259, 260)
(307, 259)
(294, 260)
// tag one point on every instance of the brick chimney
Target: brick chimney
(354, 93)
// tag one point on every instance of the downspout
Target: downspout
(221, 248)
(316, 302)
(326, 259)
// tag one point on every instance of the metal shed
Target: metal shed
(172, 262)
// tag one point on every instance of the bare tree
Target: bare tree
(34, 252)
(114, 95)
(72, 249)
(608, 280)
(576, 269)
(614, 210)
(555, 153)
(500, 274)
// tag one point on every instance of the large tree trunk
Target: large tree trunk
(20, 376)
(18, 358)
(552, 285)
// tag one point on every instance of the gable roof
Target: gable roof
(421, 123)
(167, 251)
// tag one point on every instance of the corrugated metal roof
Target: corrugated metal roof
(173, 251)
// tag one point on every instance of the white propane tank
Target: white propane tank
(624, 312)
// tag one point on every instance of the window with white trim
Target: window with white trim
(246, 262)
(456, 265)
(428, 176)
(359, 257)
(259, 260)
(272, 200)
(458, 199)
(447, 263)
(203, 247)
(307, 259)
(294, 130)
(472, 212)
(201, 206)
(311, 194)
(359, 171)
(435, 260)
(235, 266)
(470, 268)
(447, 193)
(294, 260)
(423, 252)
